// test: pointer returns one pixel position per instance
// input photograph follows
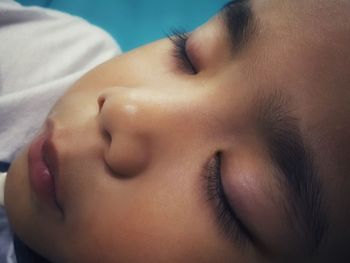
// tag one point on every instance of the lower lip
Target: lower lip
(41, 180)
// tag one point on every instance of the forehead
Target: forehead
(319, 21)
(302, 47)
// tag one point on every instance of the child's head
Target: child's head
(233, 148)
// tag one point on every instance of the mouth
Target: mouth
(43, 168)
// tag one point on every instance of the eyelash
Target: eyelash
(179, 39)
(230, 225)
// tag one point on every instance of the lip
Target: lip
(42, 162)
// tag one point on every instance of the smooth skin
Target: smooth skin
(135, 134)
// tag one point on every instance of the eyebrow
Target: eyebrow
(240, 23)
(295, 168)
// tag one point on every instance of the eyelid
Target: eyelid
(179, 40)
(230, 225)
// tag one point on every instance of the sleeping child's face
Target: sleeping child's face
(229, 144)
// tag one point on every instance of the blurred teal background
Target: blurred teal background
(137, 22)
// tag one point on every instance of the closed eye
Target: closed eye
(230, 224)
(179, 39)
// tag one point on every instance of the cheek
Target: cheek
(152, 218)
(133, 218)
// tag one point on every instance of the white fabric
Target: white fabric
(2, 188)
(42, 52)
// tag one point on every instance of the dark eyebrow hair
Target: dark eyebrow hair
(240, 23)
(296, 169)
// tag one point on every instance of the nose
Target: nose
(122, 120)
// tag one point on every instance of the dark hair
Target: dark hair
(26, 255)
(4, 167)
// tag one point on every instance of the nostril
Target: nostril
(100, 100)
(105, 133)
